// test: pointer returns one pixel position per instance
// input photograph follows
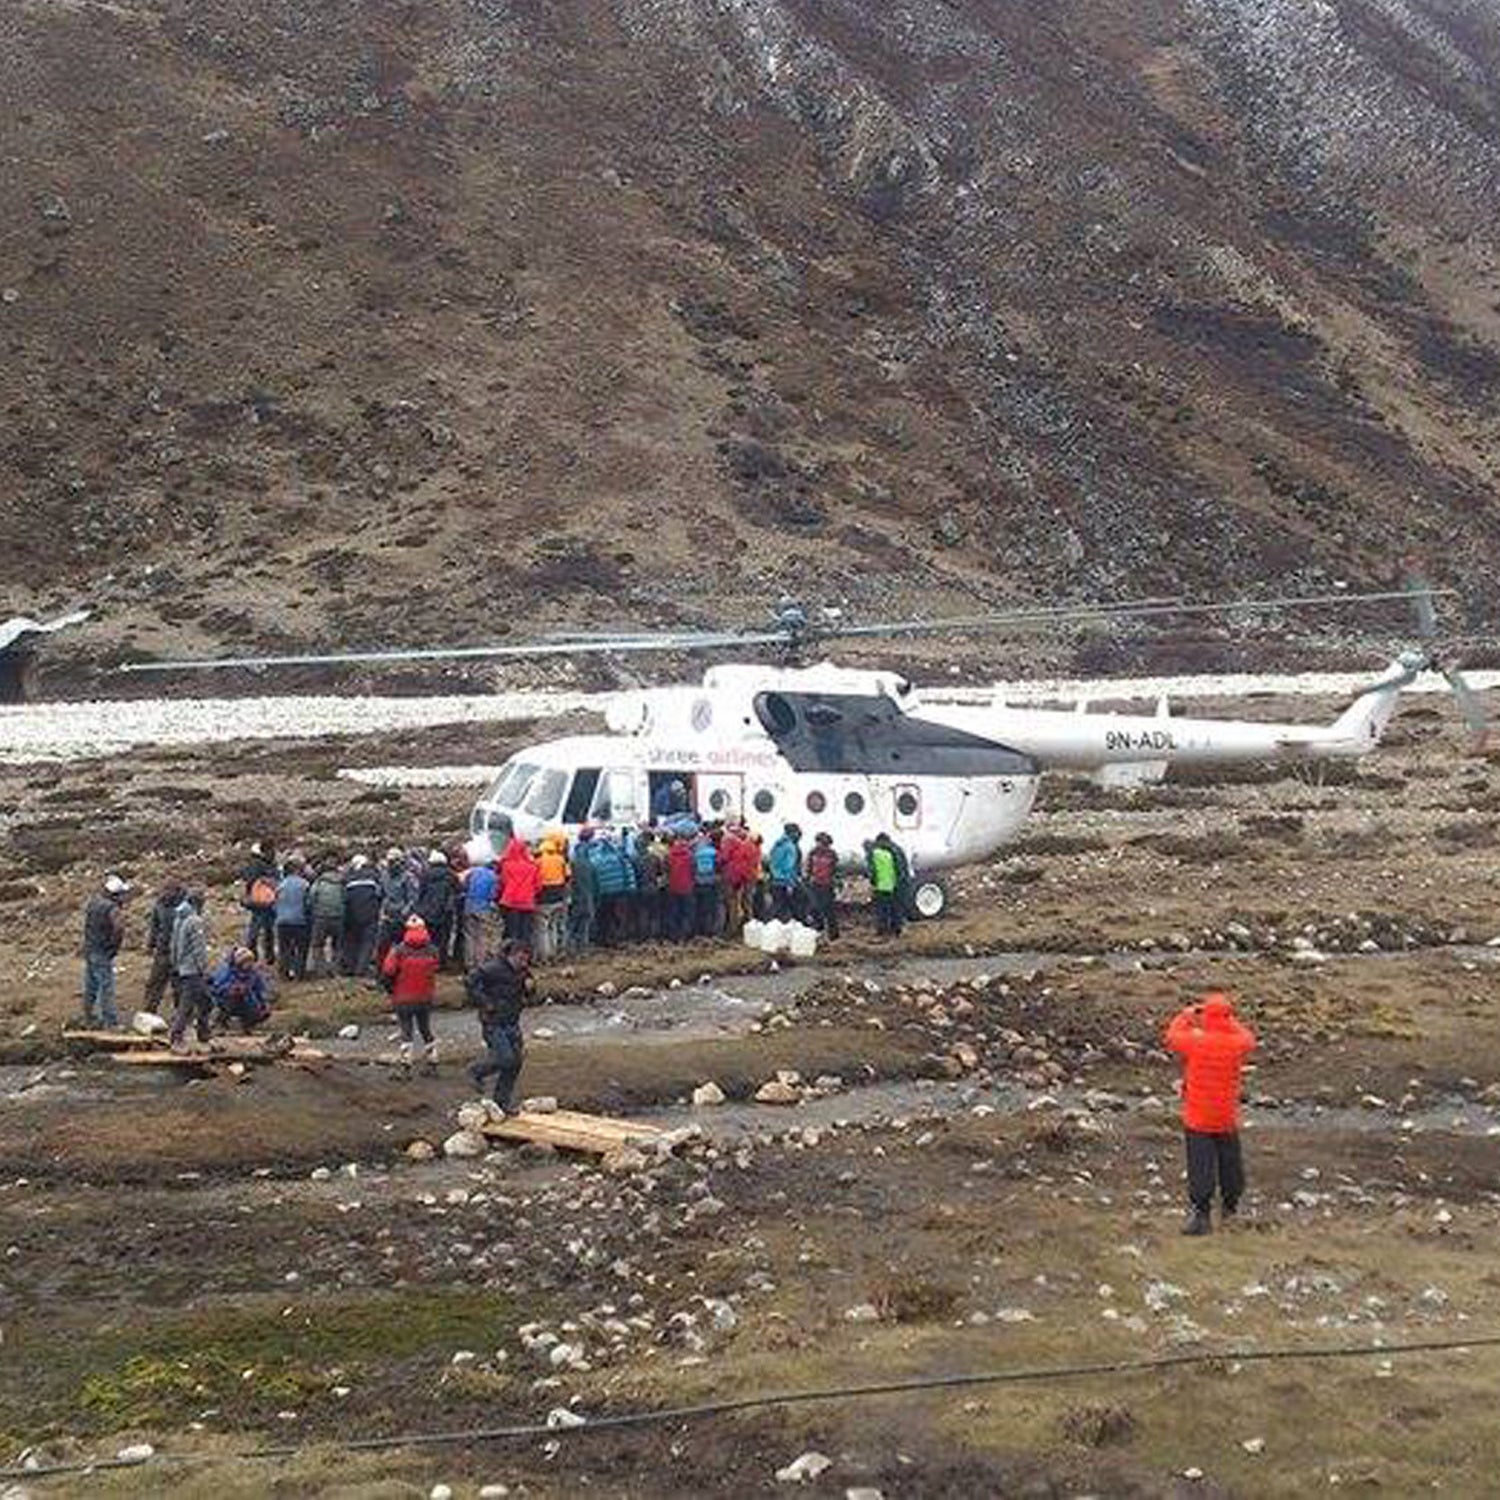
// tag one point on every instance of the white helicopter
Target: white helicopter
(856, 753)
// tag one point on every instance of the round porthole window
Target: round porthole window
(816, 802)
(907, 804)
(718, 800)
(854, 804)
(764, 801)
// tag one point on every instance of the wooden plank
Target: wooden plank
(113, 1039)
(573, 1131)
(163, 1057)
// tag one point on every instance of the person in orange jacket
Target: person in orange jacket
(553, 869)
(1213, 1045)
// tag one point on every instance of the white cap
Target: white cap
(115, 886)
(437, 857)
(393, 853)
(358, 862)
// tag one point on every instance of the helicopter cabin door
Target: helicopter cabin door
(720, 796)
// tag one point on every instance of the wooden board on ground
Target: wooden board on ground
(229, 1050)
(569, 1130)
(113, 1040)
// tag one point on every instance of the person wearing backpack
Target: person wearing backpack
(259, 882)
(409, 973)
(362, 900)
(885, 885)
(823, 884)
(707, 922)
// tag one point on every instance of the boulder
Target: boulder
(148, 1023)
(421, 1151)
(543, 1104)
(707, 1094)
(777, 1092)
(805, 1469)
(465, 1144)
(625, 1161)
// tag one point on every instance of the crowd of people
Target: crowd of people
(669, 880)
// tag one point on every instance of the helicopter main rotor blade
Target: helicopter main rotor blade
(1140, 608)
(703, 641)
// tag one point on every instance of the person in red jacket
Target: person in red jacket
(681, 883)
(409, 973)
(520, 891)
(1213, 1046)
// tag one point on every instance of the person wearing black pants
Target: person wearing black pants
(1213, 1045)
(1214, 1161)
(501, 987)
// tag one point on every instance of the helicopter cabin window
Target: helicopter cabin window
(854, 804)
(719, 800)
(908, 807)
(581, 795)
(512, 784)
(546, 793)
(816, 802)
(765, 800)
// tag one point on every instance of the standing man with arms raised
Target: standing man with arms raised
(1213, 1046)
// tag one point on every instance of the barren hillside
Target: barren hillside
(368, 318)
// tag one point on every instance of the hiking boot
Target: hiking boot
(429, 1058)
(1197, 1223)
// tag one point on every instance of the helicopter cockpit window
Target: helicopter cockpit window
(512, 784)
(581, 796)
(776, 715)
(546, 793)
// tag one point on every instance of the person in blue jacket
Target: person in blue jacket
(706, 886)
(239, 991)
(784, 871)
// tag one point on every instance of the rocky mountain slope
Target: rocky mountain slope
(376, 318)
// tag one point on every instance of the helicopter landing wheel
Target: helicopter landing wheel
(929, 899)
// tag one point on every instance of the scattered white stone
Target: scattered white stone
(349, 1033)
(136, 1453)
(707, 1095)
(320, 1174)
(421, 1151)
(463, 1357)
(148, 1023)
(543, 1104)
(777, 1091)
(561, 1416)
(863, 1492)
(1254, 1445)
(862, 1312)
(809, 1466)
(493, 1491)
(465, 1144)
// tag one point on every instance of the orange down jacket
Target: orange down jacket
(1213, 1046)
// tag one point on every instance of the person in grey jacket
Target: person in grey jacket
(190, 968)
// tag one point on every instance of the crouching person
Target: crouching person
(409, 973)
(501, 987)
(239, 991)
(1213, 1046)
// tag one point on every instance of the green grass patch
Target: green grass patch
(245, 1362)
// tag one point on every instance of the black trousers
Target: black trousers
(887, 913)
(414, 1021)
(291, 941)
(519, 925)
(260, 932)
(158, 980)
(824, 913)
(706, 902)
(679, 916)
(1214, 1160)
(504, 1053)
(194, 1005)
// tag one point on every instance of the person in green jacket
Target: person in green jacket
(885, 884)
